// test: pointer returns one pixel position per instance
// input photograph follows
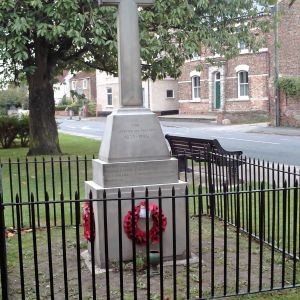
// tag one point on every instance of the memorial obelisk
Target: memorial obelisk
(133, 153)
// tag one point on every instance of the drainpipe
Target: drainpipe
(276, 66)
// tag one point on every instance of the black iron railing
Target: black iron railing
(38, 175)
(221, 257)
(242, 232)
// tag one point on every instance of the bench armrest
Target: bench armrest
(221, 150)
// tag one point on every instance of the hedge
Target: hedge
(12, 128)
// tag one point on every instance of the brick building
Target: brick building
(243, 85)
(85, 83)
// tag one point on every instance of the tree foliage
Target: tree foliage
(13, 96)
(40, 38)
(81, 34)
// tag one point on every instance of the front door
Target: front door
(217, 91)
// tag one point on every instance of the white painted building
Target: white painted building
(62, 87)
(160, 96)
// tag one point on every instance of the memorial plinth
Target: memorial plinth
(134, 155)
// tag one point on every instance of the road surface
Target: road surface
(253, 140)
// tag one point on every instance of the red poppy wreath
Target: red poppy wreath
(86, 218)
(140, 235)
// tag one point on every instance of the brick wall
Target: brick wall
(245, 105)
(289, 38)
(288, 55)
(90, 77)
(289, 110)
(193, 108)
(261, 70)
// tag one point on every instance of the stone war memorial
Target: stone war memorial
(134, 156)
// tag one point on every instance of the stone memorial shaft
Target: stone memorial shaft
(133, 154)
(129, 50)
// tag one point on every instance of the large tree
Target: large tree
(40, 38)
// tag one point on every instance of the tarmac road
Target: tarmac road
(256, 140)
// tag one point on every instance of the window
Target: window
(109, 96)
(242, 46)
(195, 56)
(243, 84)
(143, 95)
(84, 84)
(170, 94)
(196, 87)
(74, 85)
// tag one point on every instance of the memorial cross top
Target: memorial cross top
(129, 50)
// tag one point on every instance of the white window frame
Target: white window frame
(107, 96)
(243, 97)
(242, 46)
(143, 96)
(194, 97)
(238, 70)
(170, 90)
(193, 74)
(195, 56)
(74, 83)
(84, 84)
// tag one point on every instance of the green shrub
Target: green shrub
(91, 109)
(12, 128)
(14, 96)
(290, 86)
(61, 107)
(8, 130)
(23, 130)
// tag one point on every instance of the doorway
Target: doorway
(217, 102)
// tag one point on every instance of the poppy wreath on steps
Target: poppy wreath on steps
(86, 219)
(140, 235)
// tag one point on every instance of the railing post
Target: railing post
(3, 257)
(1, 189)
(210, 175)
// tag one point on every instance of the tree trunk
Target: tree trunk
(43, 128)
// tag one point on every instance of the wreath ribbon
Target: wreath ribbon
(140, 235)
(86, 218)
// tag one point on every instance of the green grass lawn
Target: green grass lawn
(64, 175)
(70, 145)
(58, 174)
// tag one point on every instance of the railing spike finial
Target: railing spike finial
(186, 190)
(284, 184)
(147, 192)
(159, 192)
(296, 183)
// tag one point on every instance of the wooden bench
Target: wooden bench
(204, 150)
